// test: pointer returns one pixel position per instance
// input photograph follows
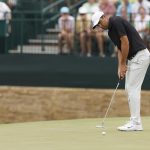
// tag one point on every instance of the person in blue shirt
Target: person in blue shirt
(127, 4)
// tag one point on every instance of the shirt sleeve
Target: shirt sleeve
(119, 28)
(60, 24)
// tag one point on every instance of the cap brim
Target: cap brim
(95, 24)
(94, 27)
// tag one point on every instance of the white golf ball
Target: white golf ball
(103, 133)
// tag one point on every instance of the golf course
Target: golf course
(66, 119)
(78, 134)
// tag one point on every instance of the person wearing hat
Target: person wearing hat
(91, 6)
(133, 61)
(66, 25)
(83, 30)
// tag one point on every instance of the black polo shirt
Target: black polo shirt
(119, 27)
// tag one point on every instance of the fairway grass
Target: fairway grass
(80, 134)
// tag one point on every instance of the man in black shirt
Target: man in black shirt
(133, 61)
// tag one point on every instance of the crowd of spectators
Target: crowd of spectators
(76, 32)
(135, 11)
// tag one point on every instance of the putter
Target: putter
(112, 98)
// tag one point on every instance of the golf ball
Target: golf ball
(103, 133)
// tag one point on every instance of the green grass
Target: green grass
(73, 135)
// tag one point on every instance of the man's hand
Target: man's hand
(122, 71)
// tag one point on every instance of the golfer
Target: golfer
(133, 61)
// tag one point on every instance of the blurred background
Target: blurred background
(50, 56)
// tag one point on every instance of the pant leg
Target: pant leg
(137, 68)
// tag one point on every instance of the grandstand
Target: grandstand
(35, 22)
(34, 30)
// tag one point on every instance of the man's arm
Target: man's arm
(124, 49)
(122, 56)
(119, 61)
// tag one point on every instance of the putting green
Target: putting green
(73, 135)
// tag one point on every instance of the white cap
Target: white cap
(95, 18)
(82, 10)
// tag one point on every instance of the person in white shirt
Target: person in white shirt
(83, 32)
(5, 11)
(5, 17)
(66, 25)
(141, 22)
(141, 3)
(91, 6)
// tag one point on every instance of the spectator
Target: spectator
(90, 6)
(5, 16)
(140, 3)
(141, 22)
(124, 7)
(100, 41)
(66, 26)
(83, 30)
(108, 7)
(124, 14)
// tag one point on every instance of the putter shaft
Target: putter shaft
(102, 124)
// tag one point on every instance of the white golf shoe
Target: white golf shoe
(131, 126)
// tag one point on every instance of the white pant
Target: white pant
(136, 71)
